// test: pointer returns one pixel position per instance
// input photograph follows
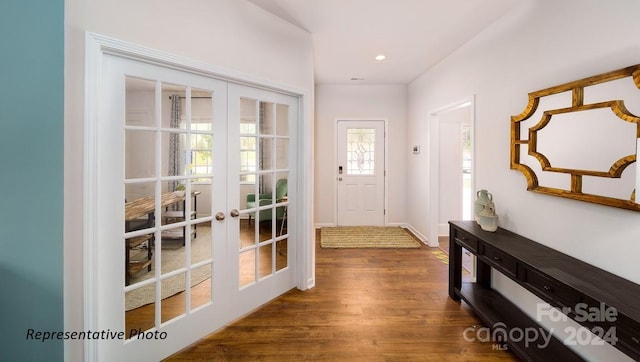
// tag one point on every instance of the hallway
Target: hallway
(368, 305)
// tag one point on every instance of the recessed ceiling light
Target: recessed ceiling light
(381, 57)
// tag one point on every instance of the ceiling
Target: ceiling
(413, 34)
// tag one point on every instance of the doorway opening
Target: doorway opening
(451, 166)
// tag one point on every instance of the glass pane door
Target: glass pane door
(162, 170)
(262, 187)
(167, 201)
(263, 197)
(179, 249)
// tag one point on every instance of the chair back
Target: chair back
(281, 188)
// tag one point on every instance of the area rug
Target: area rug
(444, 258)
(366, 237)
(173, 258)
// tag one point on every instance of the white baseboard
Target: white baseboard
(324, 225)
(420, 236)
(414, 231)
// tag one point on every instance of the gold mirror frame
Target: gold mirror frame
(574, 190)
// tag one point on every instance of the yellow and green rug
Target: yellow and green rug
(366, 237)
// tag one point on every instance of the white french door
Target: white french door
(175, 255)
(360, 173)
(261, 190)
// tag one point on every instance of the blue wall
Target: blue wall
(31, 177)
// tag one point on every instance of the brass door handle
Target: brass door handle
(220, 216)
(234, 213)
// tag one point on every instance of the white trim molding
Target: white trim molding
(434, 163)
(413, 230)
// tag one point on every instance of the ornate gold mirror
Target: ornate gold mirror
(580, 140)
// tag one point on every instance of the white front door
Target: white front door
(172, 260)
(360, 173)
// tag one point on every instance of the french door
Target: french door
(180, 248)
(261, 192)
(360, 173)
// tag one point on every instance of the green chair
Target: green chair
(267, 199)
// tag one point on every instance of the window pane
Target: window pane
(201, 190)
(248, 179)
(282, 120)
(247, 143)
(248, 161)
(265, 260)
(174, 306)
(173, 106)
(361, 151)
(201, 110)
(139, 206)
(139, 317)
(266, 153)
(200, 290)
(140, 102)
(248, 116)
(267, 122)
(248, 128)
(282, 153)
(139, 158)
(175, 160)
(281, 254)
(247, 267)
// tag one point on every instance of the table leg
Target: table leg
(455, 267)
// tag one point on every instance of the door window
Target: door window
(361, 144)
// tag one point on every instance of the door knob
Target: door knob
(220, 216)
(339, 178)
(234, 213)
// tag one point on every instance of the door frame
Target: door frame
(336, 161)
(96, 47)
(433, 127)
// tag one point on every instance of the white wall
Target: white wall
(538, 45)
(232, 34)
(365, 102)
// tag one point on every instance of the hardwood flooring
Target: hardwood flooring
(367, 305)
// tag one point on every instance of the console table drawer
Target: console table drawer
(500, 260)
(550, 289)
(466, 240)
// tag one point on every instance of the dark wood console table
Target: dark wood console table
(584, 292)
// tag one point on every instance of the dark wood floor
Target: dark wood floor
(367, 305)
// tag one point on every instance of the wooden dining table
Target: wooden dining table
(146, 205)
